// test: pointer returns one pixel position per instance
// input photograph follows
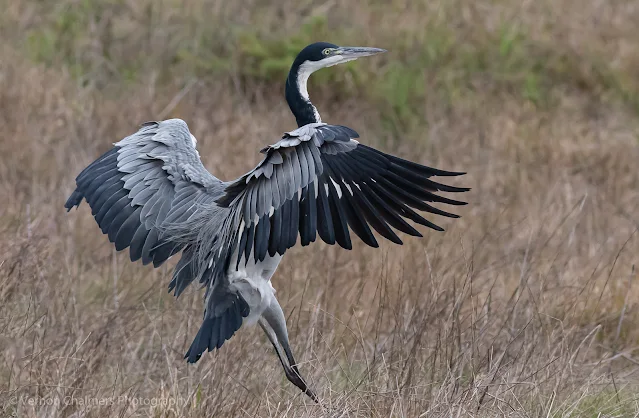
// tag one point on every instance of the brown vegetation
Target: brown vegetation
(526, 306)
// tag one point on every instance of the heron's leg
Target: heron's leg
(291, 374)
(273, 339)
(274, 325)
(275, 317)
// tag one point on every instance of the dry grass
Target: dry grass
(526, 306)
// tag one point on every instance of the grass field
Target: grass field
(526, 306)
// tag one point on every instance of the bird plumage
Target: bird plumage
(150, 193)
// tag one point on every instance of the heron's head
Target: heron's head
(323, 54)
(310, 59)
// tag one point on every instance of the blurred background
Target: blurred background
(526, 306)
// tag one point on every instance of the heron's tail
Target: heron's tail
(217, 329)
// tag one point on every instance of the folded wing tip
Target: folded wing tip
(450, 173)
(456, 202)
(192, 359)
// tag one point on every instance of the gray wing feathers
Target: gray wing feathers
(170, 142)
(319, 179)
(149, 177)
(151, 193)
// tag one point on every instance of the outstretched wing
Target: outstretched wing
(152, 176)
(146, 182)
(318, 180)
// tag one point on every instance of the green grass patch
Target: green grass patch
(100, 40)
(607, 403)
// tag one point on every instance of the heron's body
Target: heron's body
(152, 194)
(253, 282)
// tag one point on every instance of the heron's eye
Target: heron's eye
(326, 51)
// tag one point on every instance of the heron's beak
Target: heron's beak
(352, 52)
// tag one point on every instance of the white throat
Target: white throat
(304, 72)
(309, 67)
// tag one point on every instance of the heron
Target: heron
(151, 193)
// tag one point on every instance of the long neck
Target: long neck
(297, 96)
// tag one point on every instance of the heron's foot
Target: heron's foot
(293, 375)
